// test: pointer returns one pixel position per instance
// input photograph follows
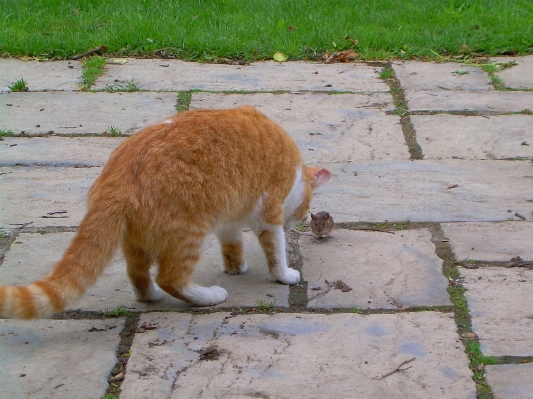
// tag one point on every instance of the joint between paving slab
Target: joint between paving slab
(402, 110)
(485, 113)
(463, 319)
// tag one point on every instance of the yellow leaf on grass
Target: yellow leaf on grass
(280, 57)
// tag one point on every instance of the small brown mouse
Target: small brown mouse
(321, 224)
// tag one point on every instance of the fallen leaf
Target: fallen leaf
(469, 335)
(117, 61)
(280, 57)
(342, 56)
(452, 186)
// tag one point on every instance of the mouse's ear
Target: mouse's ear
(313, 216)
(318, 176)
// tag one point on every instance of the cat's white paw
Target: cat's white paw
(153, 294)
(203, 296)
(242, 269)
(289, 276)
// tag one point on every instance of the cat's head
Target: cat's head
(297, 204)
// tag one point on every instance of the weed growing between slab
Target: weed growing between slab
(91, 69)
(19, 86)
(400, 103)
(129, 87)
(183, 101)
(6, 133)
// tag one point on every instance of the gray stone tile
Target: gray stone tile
(28, 194)
(416, 75)
(260, 76)
(474, 137)
(298, 355)
(39, 76)
(501, 307)
(83, 113)
(491, 242)
(519, 76)
(478, 101)
(32, 256)
(327, 128)
(57, 151)
(418, 191)
(510, 381)
(385, 271)
(57, 359)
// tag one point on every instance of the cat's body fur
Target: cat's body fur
(163, 191)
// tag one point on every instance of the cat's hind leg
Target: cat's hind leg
(176, 266)
(138, 267)
(230, 238)
(272, 239)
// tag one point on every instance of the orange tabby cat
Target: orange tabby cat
(163, 191)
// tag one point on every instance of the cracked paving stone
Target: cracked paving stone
(212, 356)
(501, 308)
(385, 271)
(57, 359)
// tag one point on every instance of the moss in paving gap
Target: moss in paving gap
(462, 315)
(183, 100)
(297, 292)
(123, 353)
(400, 103)
(91, 69)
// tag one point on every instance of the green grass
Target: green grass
(266, 306)
(6, 133)
(18, 86)
(183, 101)
(114, 131)
(249, 30)
(130, 86)
(92, 68)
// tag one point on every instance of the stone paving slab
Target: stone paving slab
(57, 359)
(83, 113)
(213, 356)
(501, 307)
(33, 255)
(511, 381)
(418, 191)
(28, 194)
(474, 137)
(40, 76)
(384, 271)
(519, 76)
(327, 127)
(57, 151)
(477, 101)
(416, 75)
(175, 75)
(489, 242)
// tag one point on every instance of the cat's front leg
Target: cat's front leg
(272, 239)
(230, 238)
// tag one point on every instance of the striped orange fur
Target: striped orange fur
(163, 191)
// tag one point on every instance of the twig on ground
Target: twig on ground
(398, 369)
(96, 50)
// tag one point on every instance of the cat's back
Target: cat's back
(206, 156)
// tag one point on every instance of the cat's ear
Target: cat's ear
(318, 176)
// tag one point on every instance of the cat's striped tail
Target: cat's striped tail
(85, 259)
